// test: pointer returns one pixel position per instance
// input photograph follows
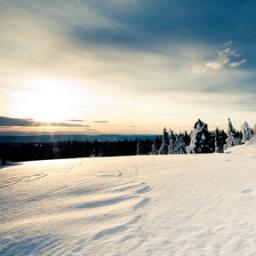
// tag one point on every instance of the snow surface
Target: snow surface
(141, 205)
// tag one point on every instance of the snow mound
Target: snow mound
(146, 205)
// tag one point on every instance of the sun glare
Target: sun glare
(49, 100)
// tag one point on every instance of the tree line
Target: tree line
(199, 140)
(70, 149)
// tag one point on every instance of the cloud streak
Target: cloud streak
(101, 121)
(8, 121)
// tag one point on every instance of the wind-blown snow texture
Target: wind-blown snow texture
(141, 205)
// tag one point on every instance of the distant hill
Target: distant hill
(58, 138)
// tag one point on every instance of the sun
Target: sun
(48, 100)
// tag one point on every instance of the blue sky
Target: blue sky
(135, 65)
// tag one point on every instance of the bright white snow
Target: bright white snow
(141, 205)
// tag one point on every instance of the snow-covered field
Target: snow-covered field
(145, 205)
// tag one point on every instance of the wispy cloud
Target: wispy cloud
(76, 120)
(8, 121)
(227, 57)
(101, 121)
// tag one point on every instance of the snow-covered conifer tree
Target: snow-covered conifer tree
(200, 139)
(217, 149)
(232, 137)
(154, 149)
(139, 148)
(220, 138)
(246, 132)
(180, 145)
(186, 138)
(163, 150)
(172, 139)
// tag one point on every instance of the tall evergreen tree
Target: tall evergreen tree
(217, 134)
(220, 139)
(180, 145)
(200, 139)
(154, 150)
(223, 139)
(172, 139)
(139, 150)
(246, 132)
(186, 138)
(233, 137)
(163, 150)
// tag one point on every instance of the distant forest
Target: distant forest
(199, 140)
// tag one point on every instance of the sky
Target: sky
(125, 66)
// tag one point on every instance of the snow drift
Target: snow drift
(142, 205)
